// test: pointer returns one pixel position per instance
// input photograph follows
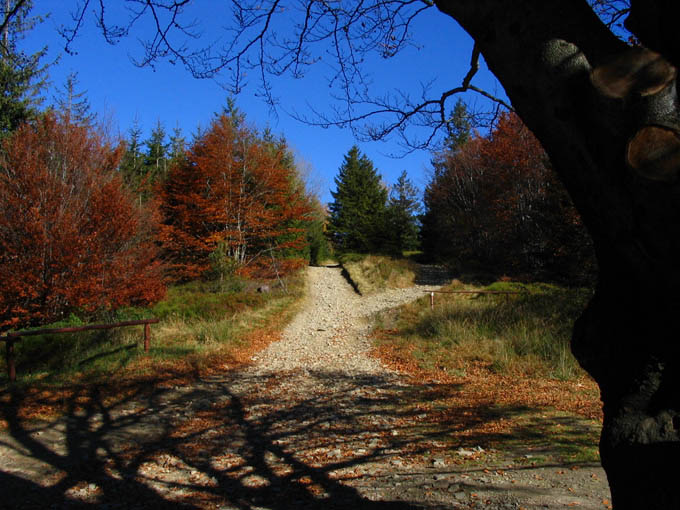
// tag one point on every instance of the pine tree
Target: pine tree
(459, 127)
(156, 155)
(22, 76)
(177, 146)
(357, 212)
(73, 105)
(133, 160)
(401, 225)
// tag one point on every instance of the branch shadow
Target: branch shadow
(240, 440)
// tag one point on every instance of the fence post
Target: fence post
(147, 334)
(431, 300)
(11, 368)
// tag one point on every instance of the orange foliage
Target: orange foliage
(71, 236)
(496, 201)
(236, 192)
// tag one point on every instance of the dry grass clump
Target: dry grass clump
(524, 334)
(374, 273)
(199, 321)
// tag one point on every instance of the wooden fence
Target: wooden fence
(11, 338)
(502, 292)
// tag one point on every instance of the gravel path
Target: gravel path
(330, 332)
(314, 422)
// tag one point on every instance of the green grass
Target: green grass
(197, 319)
(374, 273)
(548, 436)
(527, 333)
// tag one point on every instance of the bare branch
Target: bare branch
(272, 38)
(611, 12)
(4, 27)
(430, 113)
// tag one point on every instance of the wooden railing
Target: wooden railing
(501, 292)
(11, 338)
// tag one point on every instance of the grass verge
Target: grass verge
(511, 381)
(203, 327)
(372, 273)
(526, 333)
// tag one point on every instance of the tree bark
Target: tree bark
(551, 58)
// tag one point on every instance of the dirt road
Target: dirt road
(314, 422)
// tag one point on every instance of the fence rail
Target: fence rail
(11, 338)
(502, 292)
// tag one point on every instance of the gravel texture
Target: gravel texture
(330, 333)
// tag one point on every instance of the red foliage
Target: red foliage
(71, 236)
(236, 193)
(496, 201)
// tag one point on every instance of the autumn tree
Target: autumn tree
(72, 238)
(606, 113)
(357, 212)
(234, 195)
(494, 204)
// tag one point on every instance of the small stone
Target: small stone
(465, 453)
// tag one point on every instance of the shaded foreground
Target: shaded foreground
(247, 441)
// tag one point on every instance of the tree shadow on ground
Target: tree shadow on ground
(239, 440)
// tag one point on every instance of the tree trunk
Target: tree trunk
(608, 117)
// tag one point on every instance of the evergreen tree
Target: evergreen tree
(177, 146)
(22, 77)
(357, 212)
(73, 105)
(132, 165)
(156, 161)
(143, 169)
(459, 127)
(401, 224)
(233, 113)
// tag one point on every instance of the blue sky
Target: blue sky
(119, 90)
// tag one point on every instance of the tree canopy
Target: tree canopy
(71, 236)
(495, 205)
(235, 195)
(357, 213)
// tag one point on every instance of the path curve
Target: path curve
(330, 333)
